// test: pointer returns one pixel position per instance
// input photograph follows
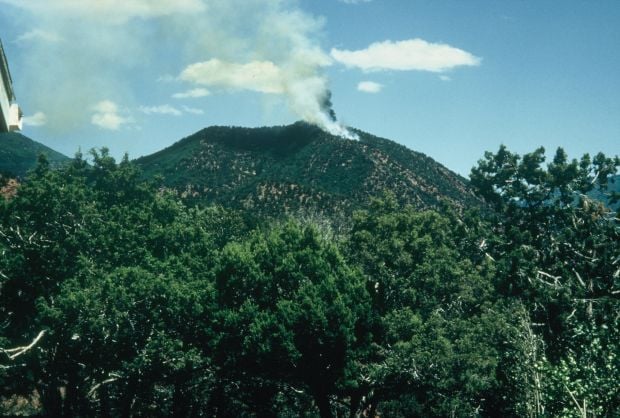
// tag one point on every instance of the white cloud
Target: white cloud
(192, 94)
(160, 110)
(259, 76)
(444, 77)
(267, 46)
(166, 109)
(106, 116)
(306, 91)
(413, 54)
(38, 119)
(354, 1)
(193, 110)
(369, 87)
(39, 35)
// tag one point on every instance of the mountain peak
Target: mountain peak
(300, 168)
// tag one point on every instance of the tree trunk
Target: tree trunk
(354, 405)
(128, 399)
(104, 402)
(71, 401)
(322, 402)
(180, 401)
(262, 400)
(216, 405)
(51, 400)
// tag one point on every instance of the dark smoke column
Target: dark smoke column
(327, 106)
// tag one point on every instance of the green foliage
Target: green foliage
(117, 299)
(557, 251)
(289, 310)
(300, 170)
(121, 337)
(436, 326)
(120, 277)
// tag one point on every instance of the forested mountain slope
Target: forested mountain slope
(298, 167)
(612, 187)
(18, 154)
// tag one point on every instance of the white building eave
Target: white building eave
(10, 114)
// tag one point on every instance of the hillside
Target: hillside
(18, 154)
(612, 187)
(299, 168)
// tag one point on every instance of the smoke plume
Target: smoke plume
(90, 46)
(328, 107)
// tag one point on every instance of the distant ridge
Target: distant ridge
(300, 168)
(613, 186)
(18, 154)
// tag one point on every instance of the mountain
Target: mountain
(18, 154)
(300, 168)
(613, 187)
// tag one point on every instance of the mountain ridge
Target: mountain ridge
(276, 170)
(300, 168)
(19, 154)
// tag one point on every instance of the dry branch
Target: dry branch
(13, 353)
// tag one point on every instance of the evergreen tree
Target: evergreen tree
(557, 251)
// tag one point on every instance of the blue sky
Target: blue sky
(451, 79)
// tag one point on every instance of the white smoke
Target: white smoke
(267, 46)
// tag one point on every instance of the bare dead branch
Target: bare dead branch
(579, 278)
(105, 382)
(13, 353)
(581, 410)
(556, 279)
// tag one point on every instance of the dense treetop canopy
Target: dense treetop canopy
(120, 298)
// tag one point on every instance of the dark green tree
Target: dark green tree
(291, 316)
(118, 277)
(437, 330)
(557, 251)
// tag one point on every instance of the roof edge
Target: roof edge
(6, 74)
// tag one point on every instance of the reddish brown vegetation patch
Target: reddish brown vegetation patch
(9, 188)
